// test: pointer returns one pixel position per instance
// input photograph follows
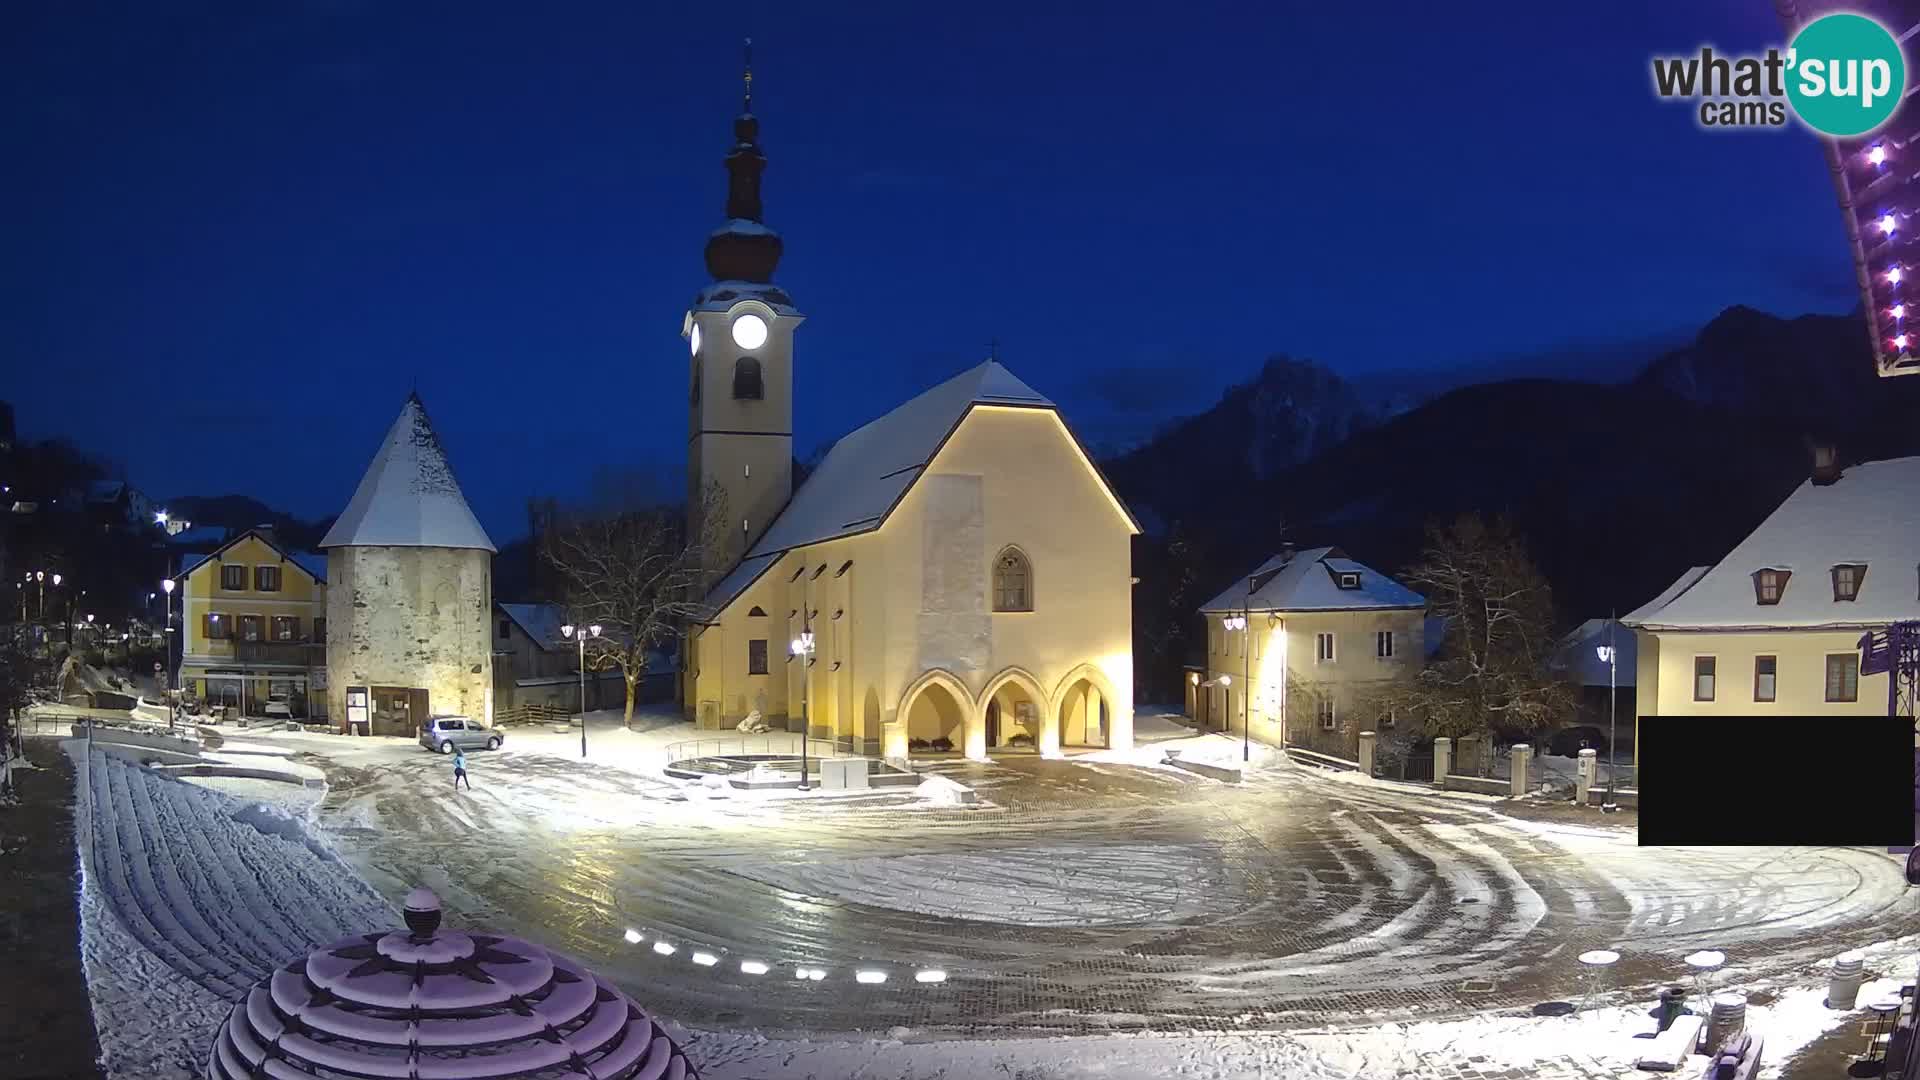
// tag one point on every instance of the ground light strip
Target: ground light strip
(703, 958)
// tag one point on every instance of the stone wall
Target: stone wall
(411, 617)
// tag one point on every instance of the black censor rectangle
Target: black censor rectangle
(1777, 781)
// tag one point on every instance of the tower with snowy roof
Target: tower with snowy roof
(740, 334)
(412, 585)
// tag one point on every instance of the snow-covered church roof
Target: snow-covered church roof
(1869, 517)
(1310, 580)
(408, 497)
(866, 474)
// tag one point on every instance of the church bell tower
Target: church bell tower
(740, 335)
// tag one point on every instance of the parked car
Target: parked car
(1568, 742)
(445, 734)
(279, 707)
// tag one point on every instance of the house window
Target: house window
(506, 628)
(1703, 678)
(1323, 708)
(266, 579)
(1843, 677)
(1012, 582)
(233, 578)
(250, 628)
(1846, 580)
(1383, 644)
(1766, 677)
(320, 631)
(757, 656)
(218, 626)
(1770, 585)
(746, 379)
(286, 628)
(1323, 648)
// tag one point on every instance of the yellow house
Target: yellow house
(1775, 627)
(954, 576)
(255, 628)
(1303, 640)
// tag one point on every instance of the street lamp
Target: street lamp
(166, 642)
(580, 634)
(803, 648)
(1607, 653)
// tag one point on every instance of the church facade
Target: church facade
(955, 576)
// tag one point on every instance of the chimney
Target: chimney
(266, 531)
(1826, 464)
(1287, 551)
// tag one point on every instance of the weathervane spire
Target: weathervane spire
(746, 97)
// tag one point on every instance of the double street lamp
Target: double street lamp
(580, 634)
(166, 643)
(803, 649)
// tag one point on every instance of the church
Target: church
(954, 577)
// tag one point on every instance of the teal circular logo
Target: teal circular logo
(1846, 75)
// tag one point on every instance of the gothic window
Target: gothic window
(1012, 582)
(757, 612)
(746, 379)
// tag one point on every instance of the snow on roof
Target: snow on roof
(744, 227)
(313, 563)
(200, 536)
(1307, 582)
(722, 295)
(866, 473)
(1578, 658)
(541, 622)
(1680, 584)
(1870, 517)
(408, 497)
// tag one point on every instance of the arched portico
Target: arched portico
(1015, 699)
(937, 705)
(1086, 709)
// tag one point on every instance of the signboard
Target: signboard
(357, 713)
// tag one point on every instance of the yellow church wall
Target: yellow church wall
(911, 616)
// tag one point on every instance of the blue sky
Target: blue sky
(241, 233)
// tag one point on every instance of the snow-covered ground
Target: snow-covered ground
(1158, 733)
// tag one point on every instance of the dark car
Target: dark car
(1568, 742)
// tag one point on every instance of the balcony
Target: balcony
(298, 653)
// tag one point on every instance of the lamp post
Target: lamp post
(1607, 653)
(166, 643)
(1246, 665)
(803, 648)
(580, 634)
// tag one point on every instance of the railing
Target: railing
(280, 652)
(1414, 768)
(1325, 761)
(781, 744)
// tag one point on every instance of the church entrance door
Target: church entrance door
(993, 724)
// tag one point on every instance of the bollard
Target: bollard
(1673, 1002)
(1366, 753)
(1517, 762)
(1844, 985)
(1442, 760)
(1583, 776)
(1725, 1020)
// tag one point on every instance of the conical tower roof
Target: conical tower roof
(409, 498)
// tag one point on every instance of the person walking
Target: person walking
(460, 771)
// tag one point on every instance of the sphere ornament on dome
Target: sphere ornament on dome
(431, 1002)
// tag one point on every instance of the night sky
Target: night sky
(236, 235)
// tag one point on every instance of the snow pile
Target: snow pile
(941, 791)
(1194, 1057)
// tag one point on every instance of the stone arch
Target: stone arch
(1073, 706)
(938, 705)
(1023, 684)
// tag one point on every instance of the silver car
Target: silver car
(448, 733)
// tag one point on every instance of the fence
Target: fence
(535, 713)
(1325, 761)
(1416, 768)
(778, 744)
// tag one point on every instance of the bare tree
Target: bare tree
(638, 575)
(1491, 676)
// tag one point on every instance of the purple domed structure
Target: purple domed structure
(426, 1003)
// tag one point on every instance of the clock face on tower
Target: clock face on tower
(749, 331)
(694, 339)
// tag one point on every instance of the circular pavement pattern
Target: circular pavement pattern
(1080, 898)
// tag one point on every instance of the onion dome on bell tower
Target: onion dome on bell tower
(744, 249)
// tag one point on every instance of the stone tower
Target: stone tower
(410, 588)
(740, 332)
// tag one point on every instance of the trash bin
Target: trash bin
(1673, 1002)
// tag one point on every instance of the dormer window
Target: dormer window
(1846, 580)
(1348, 580)
(1769, 585)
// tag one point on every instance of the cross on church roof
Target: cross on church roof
(993, 349)
(746, 98)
